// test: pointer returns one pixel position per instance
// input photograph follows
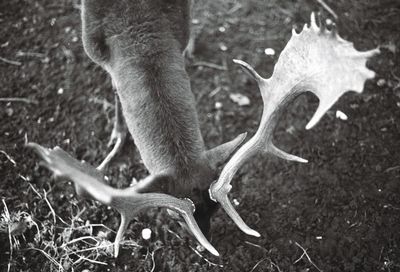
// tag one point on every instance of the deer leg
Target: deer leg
(118, 135)
(190, 47)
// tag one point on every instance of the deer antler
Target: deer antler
(316, 60)
(127, 201)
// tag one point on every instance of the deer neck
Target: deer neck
(159, 110)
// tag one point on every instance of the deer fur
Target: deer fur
(140, 44)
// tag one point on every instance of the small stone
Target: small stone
(9, 112)
(291, 130)
(223, 47)
(269, 51)
(222, 29)
(200, 248)
(218, 105)
(146, 233)
(328, 21)
(240, 99)
(381, 82)
(341, 115)
(235, 202)
(60, 91)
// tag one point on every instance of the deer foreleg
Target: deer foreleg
(118, 135)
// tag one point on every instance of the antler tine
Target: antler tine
(315, 60)
(129, 202)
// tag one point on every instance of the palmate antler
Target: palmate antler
(316, 60)
(129, 202)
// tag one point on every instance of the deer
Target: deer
(140, 45)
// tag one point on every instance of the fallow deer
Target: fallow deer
(140, 44)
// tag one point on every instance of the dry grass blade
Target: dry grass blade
(204, 258)
(210, 65)
(13, 62)
(307, 256)
(19, 99)
(328, 9)
(8, 157)
(7, 217)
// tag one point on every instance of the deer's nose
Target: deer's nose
(204, 211)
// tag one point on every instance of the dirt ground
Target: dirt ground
(343, 207)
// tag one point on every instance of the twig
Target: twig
(235, 8)
(307, 256)
(210, 65)
(13, 62)
(394, 168)
(48, 204)
(328, 9)
(275, 265)
(204, 258)
(78, 240)
(215, 91)
(174, 233)
(77, 216)
(18, 99)
(87, 259)
(8, 157)
(93, 252)
(51, 209)
(30, 54)
(8, 217)
(258, 263)
(153, 260)
(26, 138)
(92, 248)
(50, 258)
(91, 225)
(255, 245)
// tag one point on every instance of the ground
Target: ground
(343, 207)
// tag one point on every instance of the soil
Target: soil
(343, 207)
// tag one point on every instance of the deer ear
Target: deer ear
(220, 154)
(93, 32)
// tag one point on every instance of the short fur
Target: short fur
(140, 44)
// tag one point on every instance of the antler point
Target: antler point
(310, 125)
(249, 69)
(313, 23)
(213, 251)
(254, 233)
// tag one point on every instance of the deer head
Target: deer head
(140, 46)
